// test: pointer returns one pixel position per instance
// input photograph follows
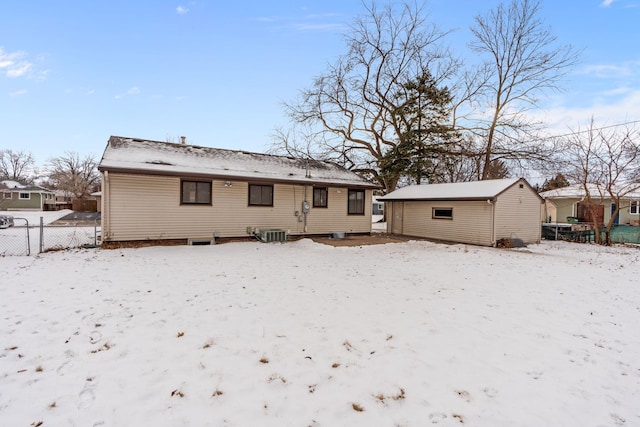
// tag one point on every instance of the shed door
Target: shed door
(396, 225)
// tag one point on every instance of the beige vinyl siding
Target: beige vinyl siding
(517, 214)
(564, 208)
(470, 223)
(148, 207)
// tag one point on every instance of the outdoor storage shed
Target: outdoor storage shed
(479, 213)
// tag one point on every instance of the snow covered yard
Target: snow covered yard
(304, 334)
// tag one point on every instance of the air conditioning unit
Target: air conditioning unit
(269, 236)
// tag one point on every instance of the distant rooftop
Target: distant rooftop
(577, 191)
(155, 157)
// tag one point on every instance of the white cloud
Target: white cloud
(135, 90)
(181, 10)
(609, 71)
(13, 64)
(18, 92)
(606, 3)
(605, 110)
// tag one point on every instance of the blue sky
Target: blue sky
(72, 72)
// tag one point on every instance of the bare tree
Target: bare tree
(521, 62)
(604, 161)
(354, 102)
(16, 165)
(74, 174)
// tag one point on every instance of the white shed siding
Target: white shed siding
(471, 222)
(517, 214)
(148, 207)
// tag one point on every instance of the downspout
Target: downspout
(304, 211)
(105, 216)
(491, 202)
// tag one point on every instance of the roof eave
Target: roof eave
(240, 177)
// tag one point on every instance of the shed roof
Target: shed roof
(155, 157)
(475, 190)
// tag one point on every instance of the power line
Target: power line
(633, 122)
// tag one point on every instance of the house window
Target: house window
(320, 197)
(6, 195)
(195, 193)
(634, 208)
(442, 213)
(260, 195)
(356, 202)
(24, 196)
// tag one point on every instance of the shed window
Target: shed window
(196, 193)
(24, 196)
(442, 213)
(356, 202)
(634, 208)
(6, 195)
(260, 195)
(320, 197)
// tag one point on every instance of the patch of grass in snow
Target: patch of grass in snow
(264, 360)
(177, 392)
(358, 408)
(458, 418)
(217, 393)
(37, 423)
(208, 344)
(106, 346)
(180, 334)
(52, 405)
(38, 368)
(347, 345)
(400, 395)
(335, 365)
(275, 377)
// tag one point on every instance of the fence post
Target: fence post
(41, 235)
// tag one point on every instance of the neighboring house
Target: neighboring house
(479, 213)
(20, 197)
(157, 190)
(377, 206)
(568, 203)
(64, 199)
(98, 196)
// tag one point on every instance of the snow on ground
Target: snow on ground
(22, 240)
(34, 216)
(303, 334)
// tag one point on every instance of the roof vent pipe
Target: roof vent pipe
(183, 140)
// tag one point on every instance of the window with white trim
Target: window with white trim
(634, 207)
(442, 213)
(6, 195)
(24, 196)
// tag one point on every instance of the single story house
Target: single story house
(155, 190)
(21, 197)
(479, 213)
(568, 203)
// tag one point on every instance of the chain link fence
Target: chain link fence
(27, 239)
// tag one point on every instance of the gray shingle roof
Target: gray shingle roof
(155, 157)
